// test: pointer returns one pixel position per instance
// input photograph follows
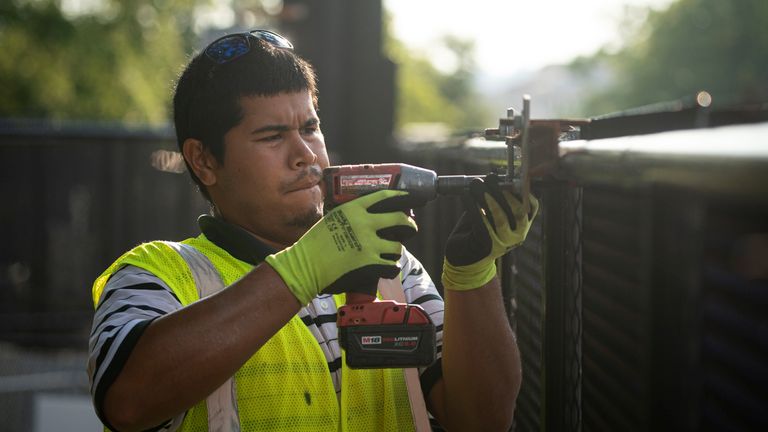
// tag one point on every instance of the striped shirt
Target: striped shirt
(133, 298)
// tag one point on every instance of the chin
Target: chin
(307, 218)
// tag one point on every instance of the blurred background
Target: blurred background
(89, 166)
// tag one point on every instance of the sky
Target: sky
(513, 37)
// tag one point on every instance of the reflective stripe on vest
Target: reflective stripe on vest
(222, 403)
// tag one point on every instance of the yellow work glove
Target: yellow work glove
(493, 223)
(349, 249)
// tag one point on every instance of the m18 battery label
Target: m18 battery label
(370, 340)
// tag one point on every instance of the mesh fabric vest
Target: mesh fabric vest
(286, 384)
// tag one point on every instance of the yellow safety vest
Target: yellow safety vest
(286, 385)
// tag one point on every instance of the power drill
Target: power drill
(378, 334)
(386, 334)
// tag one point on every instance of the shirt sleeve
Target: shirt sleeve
(131, 300)
(419, 289)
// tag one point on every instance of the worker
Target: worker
(235, 329)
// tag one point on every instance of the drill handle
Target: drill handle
(360, 298)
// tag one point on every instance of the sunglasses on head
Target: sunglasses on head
(230, 47)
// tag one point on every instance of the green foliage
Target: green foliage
(716, 45)
(428, 95)
(117, 62)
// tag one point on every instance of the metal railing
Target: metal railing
(631, 307)
(76, 196)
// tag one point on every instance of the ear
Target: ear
(200, 161)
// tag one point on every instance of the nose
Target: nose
(302, 155)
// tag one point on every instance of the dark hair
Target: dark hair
(206, 101)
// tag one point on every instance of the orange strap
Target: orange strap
(392, 289)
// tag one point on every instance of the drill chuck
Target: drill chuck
(458, 184)
(453, 184)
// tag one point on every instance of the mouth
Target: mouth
(305, 186)
(306, 180)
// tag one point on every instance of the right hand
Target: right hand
(493, 224)
(349, 249)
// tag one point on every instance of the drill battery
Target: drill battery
(386, 334)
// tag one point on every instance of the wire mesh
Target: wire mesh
(573, 373)
(527, 284)
(616, 309)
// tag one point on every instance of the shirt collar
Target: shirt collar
(236, 241)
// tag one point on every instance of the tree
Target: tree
(115, 62)
(427, 95)
(716, 45)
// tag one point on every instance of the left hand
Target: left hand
(493, 224)
(349, 249)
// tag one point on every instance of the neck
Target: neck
(278, 246)
(271, 241)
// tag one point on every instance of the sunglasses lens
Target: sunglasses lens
(233, 46)
(272, 38)
(227, 48)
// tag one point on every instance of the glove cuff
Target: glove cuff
(283, 263)
(465, 278)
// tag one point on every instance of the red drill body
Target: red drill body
(346, 182)
(382, 334)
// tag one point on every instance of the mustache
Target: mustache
(312, 174)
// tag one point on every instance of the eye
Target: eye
(309, 130)
(271, 138)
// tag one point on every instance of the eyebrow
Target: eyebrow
(282, 128)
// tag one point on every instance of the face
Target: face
(269, 180)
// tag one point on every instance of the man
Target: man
(235, 329)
